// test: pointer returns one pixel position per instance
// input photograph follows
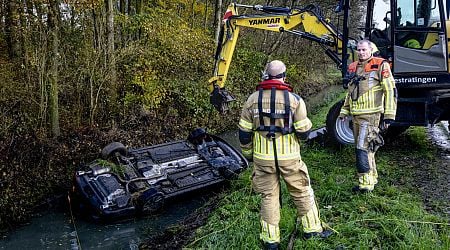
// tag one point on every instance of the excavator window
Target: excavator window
(414, 22)
(410, 33)
(380, 33)
(419, 37)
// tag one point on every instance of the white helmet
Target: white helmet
(275, 69)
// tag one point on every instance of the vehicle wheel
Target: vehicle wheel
(152, 204)
(112, 148)
(197, 136)
(339, 132)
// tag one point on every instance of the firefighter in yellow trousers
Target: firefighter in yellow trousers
(272, 121)
(371, 96)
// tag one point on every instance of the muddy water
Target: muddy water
(323, 97)
(55, 230)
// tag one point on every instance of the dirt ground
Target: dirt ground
(434, 182)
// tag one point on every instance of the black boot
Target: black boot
(323, 235)
(271, 246)
(357, 189)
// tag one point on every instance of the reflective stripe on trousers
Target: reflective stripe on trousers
(265, 181)
(269, 233)
(311, 221)
(366, 130)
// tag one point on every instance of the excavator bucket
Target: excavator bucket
(220, 98)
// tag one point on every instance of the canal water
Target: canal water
(55, 229)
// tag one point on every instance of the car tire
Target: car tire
(113, 148)
(152, 204)
(339, 132)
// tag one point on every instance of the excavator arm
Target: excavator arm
(307, 23)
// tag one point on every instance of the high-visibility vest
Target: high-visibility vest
(374, 92)
(272, 114)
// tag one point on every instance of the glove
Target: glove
(386, 123)
(247, 153)
(342, 117)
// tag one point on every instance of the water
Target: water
(440, 137)
(55, 230)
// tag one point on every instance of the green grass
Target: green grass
(318, 113)
(391, 217)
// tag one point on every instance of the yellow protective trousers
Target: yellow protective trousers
(266, 182)
(367, 141)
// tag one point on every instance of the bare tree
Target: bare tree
(110, 51)
(205, 20)
(218, 19)
(110, 47)
(192, 14)
(53, 24)
(12, 28)
(2, 16)
(122, 35)
(24, 23)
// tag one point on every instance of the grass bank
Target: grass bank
(391, 217)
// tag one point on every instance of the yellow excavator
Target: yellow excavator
(411, 34)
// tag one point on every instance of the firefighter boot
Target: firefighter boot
(312, 227)
(366, 183)
(270, 235)
(271, 246)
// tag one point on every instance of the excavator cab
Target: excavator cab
(409, 33)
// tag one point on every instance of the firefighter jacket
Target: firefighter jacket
(259, 146)
(371, 89)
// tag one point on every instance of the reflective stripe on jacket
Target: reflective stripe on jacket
(374, 93)
(288, 147)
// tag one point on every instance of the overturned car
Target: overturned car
(128, 182)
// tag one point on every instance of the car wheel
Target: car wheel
(152, 204)
(340, 132)
(112, 148)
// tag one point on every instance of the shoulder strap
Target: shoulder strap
(273, 116)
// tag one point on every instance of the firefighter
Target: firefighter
(371, 97)
(272, 121)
